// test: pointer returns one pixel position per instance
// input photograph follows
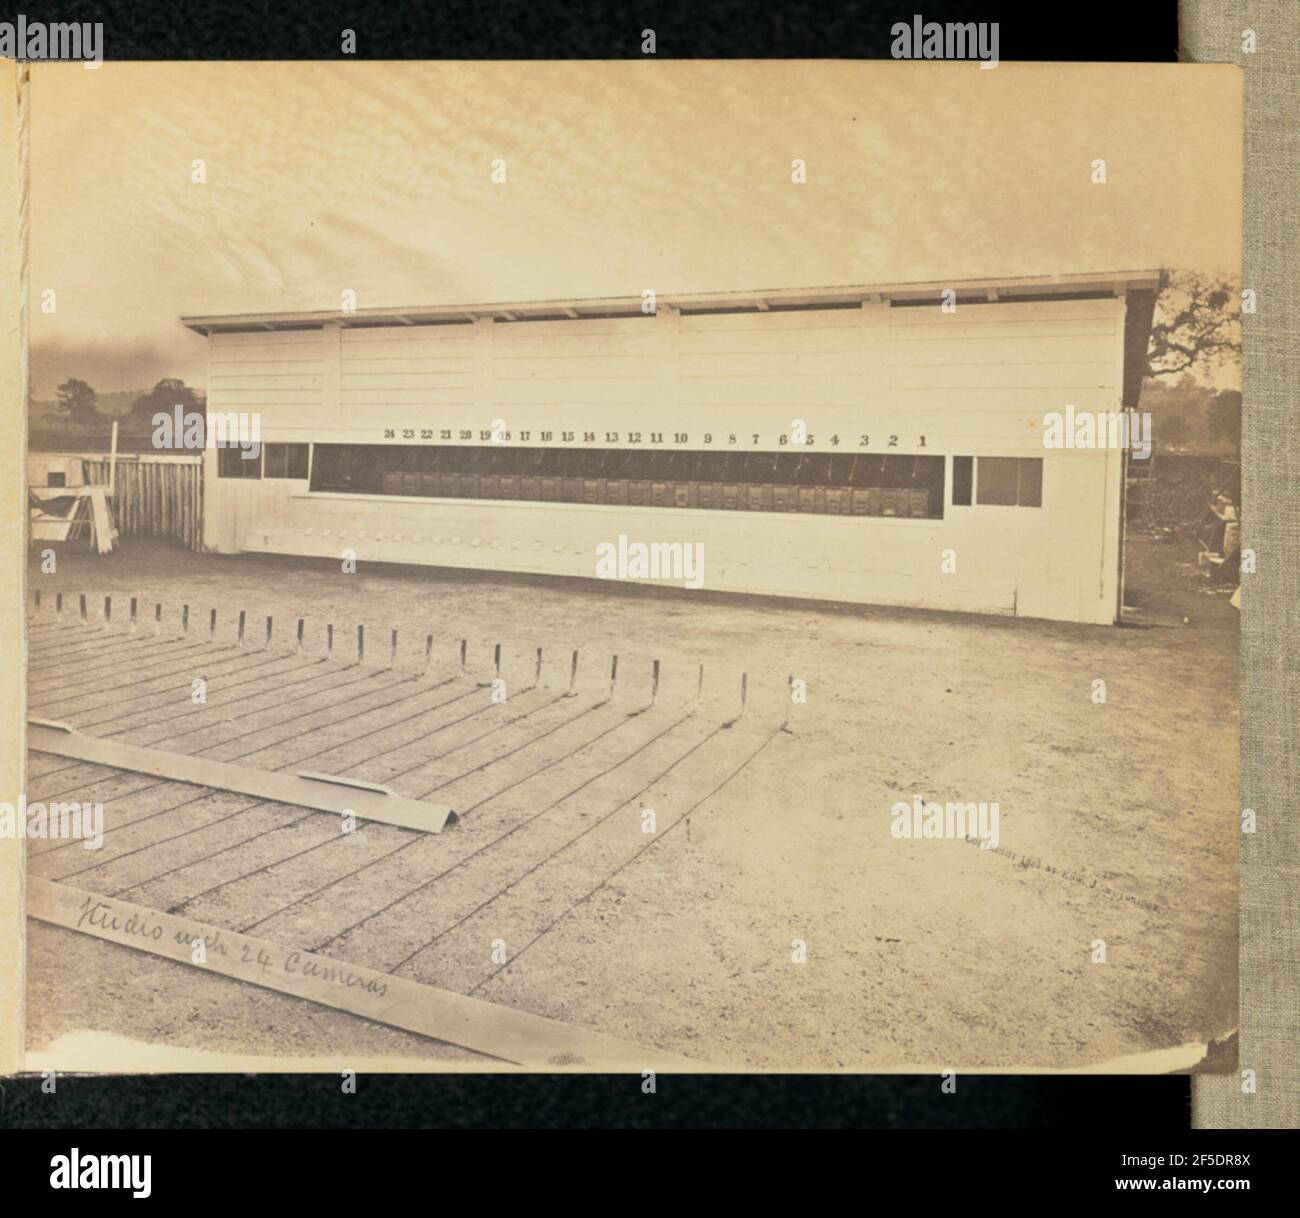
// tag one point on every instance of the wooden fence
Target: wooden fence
(155, 498)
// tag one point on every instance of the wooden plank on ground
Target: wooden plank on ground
(496, 1031)
(306, 790)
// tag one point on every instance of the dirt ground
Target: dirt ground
(1118, 819)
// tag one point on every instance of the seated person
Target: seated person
(1218, 514)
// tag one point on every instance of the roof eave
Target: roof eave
(1119, 283)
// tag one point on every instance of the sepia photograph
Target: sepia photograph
(633, 566)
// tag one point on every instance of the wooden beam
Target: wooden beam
(307, 789)
(631, 305)
(504, 1033)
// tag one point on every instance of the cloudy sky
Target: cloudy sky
(620, 176)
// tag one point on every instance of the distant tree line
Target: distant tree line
(1191, 417)
(79, 405)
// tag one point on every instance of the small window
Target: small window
(1010, 481)
(285, 461)
(56, 478)
(963, 479)
(231, 463)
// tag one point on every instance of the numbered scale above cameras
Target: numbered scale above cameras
(788, 471)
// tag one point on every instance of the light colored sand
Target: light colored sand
(1118, 822)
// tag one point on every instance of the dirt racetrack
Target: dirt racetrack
(1118, 820)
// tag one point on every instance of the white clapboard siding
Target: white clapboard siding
(395, 372)
(872, 378)
(903, 371)
(273, 373)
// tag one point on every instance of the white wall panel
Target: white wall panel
(911, 379)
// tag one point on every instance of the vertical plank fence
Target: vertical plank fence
(155, 498)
